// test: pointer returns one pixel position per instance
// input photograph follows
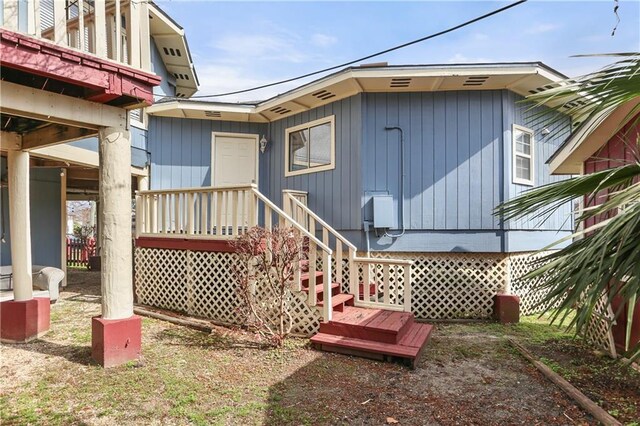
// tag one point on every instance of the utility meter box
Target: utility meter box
(382, 211)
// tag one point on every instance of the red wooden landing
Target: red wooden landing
(374, 333)
(370, 333)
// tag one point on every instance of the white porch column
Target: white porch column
(143, 183)
(115, 223)
(20, 224)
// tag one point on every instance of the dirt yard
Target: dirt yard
(469, 375)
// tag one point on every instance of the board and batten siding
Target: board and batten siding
(181, 150)
(535, 118)
(453, 158)
(335, 195)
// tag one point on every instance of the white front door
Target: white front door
(234, 163)
(234, 160)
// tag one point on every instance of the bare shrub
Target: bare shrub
(268, 261)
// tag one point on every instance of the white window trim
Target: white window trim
(332, 165)
(515, 154)
(140, 124)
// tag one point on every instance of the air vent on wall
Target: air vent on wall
(170, 51)
(400, 82)
(280, 110)
(214, 114)
(475, 81)
(323, 95)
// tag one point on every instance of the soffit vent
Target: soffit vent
(400, 82)
(213, 114)
(180, 95)
(475, 80)
(170, 51)
(323, 95)
(541, 89)
(280, 110)
(181, 76)
(574, 104)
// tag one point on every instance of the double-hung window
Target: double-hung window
(523, 155)
(310, 147)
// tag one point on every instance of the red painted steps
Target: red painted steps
(371, 333)
(374, 333)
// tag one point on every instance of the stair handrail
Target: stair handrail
(327, 229)
(321, 222)
(327, 308)
(289, 219)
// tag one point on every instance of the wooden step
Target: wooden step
(335, 289)
(339, 301)
(410, 347)
(304, 278)
(369, 324)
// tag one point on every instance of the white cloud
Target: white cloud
(541, 28)
(243, 48)
(323, 40)
(459, 58)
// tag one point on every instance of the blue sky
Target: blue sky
(236, 45)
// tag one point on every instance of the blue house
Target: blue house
(440, 146)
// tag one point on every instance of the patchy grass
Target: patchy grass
(469, 375)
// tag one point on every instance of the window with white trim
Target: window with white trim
(523, 155)
(310, 147)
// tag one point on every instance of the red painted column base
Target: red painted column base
(115, 342)
(506, 308)
(23, 321)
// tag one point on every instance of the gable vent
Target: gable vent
(170, 51)
(400, 82)
(181, 76)
(323, 95)
(280, 110)
(214, 114)
(475, 81)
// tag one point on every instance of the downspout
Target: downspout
(402, 179)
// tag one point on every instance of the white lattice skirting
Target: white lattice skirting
(444, 286)
(202, 284)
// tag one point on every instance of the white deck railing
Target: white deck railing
(224, 213)
(375, 283)
(112, 29)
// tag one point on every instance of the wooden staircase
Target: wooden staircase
(366, 332)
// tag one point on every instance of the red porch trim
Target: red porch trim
(42, 57)
(220, 246)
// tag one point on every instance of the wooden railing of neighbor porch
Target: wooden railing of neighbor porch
(113, 29)
(225, 213)
(375, 283)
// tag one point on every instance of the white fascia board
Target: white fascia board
(76, 155)
(157, 109)
(589, 138)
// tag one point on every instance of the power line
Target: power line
(401, 46)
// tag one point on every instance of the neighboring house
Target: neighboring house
(608, 140)
(73, 70)
(69, 171)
